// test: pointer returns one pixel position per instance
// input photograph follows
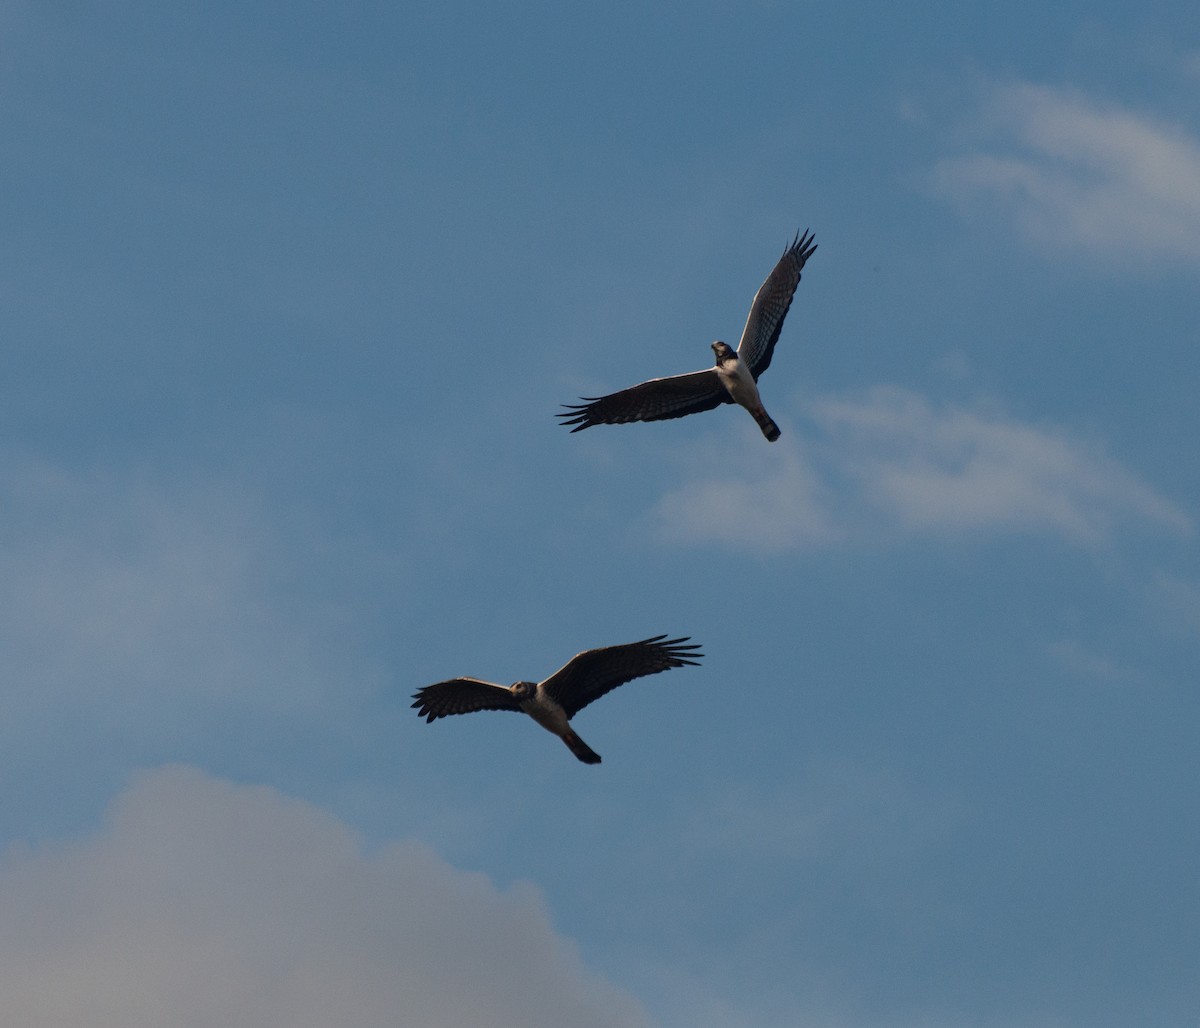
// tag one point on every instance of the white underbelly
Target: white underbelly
(548, 714)
(740, 385)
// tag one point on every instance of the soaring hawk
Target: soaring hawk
(585, 677)
(734, 377)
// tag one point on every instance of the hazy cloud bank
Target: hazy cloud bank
(205, 904)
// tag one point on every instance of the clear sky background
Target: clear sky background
(290, 296)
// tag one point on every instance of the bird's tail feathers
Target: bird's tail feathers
(580, 748)
(769, 428)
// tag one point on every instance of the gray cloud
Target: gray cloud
(202, 903)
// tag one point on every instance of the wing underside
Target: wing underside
(589, 675)
(461, 696)
(656, 400)
(771, 304)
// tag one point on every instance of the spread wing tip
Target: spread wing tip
(677, 650)
(424, 709)
(802, 246)
(579, 414)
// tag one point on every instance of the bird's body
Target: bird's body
(742, 389)
(552, 703)
(733, 379)
(534, 700)
(545, 710)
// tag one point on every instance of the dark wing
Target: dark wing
(589, 675)
(461, 696)
(656, 400)
(771, 304)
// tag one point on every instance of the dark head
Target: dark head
(523, 690)
(723, 352)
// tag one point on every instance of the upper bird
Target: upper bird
(734, 377)
(585, 677)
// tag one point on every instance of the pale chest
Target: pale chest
(545, 711)
(738, 381)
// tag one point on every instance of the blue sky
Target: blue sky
(291, 294)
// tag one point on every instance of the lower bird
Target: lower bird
(733, 378)
(585, 677)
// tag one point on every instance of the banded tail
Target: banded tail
(769, 428)
(580, 748)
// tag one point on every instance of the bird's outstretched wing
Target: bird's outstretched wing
(771, 304)
(656, 400)
(461, 696)
(589, 675)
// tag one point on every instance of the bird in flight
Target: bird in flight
(733, 378)
(585, 677)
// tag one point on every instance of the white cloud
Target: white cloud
(1084, 174)
(204, 904)
(893, 462)
(960, 469)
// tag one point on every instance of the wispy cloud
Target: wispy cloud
(120, 581)
(1177, 603)
(1082, 662)
(865, 820)
(775, 505)
(956, 468)
(1080, 173)
(888, 460)
(130, 603)
(201, 904)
